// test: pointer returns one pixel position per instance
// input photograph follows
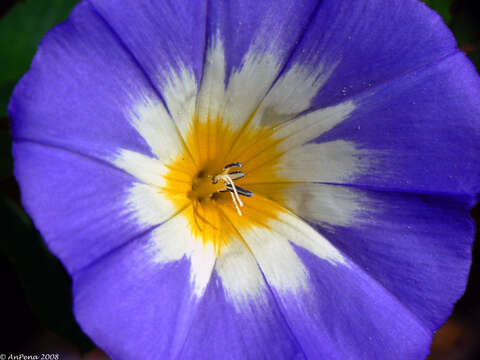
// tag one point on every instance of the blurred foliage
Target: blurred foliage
(45, 282)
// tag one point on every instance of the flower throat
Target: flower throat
(213, 182)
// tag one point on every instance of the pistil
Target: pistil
(228, 177)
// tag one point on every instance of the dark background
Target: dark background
(35, 299)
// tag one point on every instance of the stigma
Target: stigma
(227, 177)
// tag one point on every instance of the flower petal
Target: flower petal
(95, 210)
(318, 203)
(117, 291)
(241, 279)
(333, 161)
(79, 92)
(167, 41)
(345, 314)
(350, 47)
(333, 308)
(412, 138)
(130, 295)
(249, 43)
(363, 42)
(173, 240)
(256, 330)
(416, 246)
(311, 125)
(86, 95)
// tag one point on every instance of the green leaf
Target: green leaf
(442, 7)
(46, 284)
(20, 32)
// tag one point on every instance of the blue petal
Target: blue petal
(265, 26)
(371, 42)
(164, 37)
(419, 130)
(221, 331)
(78, 204)
(347, 315)
(418, 247)
(78, 90)
(135, 308)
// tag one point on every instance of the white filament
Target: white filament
(236, 198)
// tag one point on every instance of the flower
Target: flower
(253, 179)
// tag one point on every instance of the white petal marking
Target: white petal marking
(146, 169)
(312, 125)
(149, 204)
(173, 241)
(281, 265)
(157, 128)
(202, 259)
(300, 233)
(180, 93)
(292, 94)
(332, 161)
(212, 90)
(248, 85)
(170, 241)
(323, 204)
(241, 278)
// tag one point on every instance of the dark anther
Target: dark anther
(236, 164)
(240, 191)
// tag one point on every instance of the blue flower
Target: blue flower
(253, 179)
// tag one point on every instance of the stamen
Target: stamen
(235, 175)
(236, 205)
(228, 177)
(229, 181)
(236, 164)
(241, 191)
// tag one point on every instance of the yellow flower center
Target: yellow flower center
(228, 179)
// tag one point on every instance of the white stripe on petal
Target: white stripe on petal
(248, 85)
(332, 161)
(277, 259)
(202, 259)
(292, 94)
(170, 241)
(301, 234)
(149, 204)
(212, 90)
(312, 125)
(241, 278)
(180, 94)
(145, 168)
(173, 240)
(317, 203)
(157, 128)
(323, 204)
